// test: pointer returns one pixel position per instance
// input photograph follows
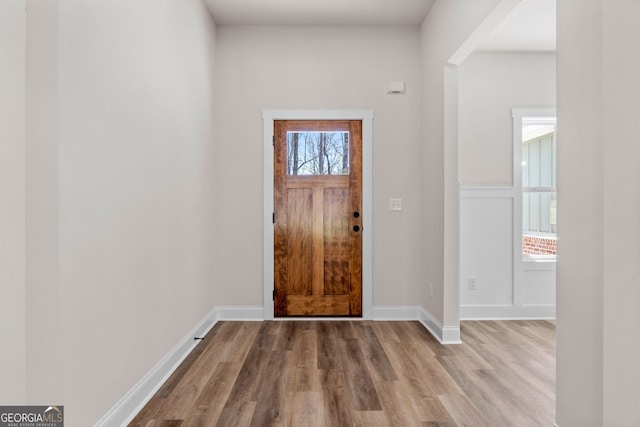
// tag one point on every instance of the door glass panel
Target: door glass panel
(318, 153)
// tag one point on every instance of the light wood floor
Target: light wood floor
(361, 373)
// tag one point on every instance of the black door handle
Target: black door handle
(356, 214)
(356, 228)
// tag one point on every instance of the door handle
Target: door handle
(356, 228)
(356, 214)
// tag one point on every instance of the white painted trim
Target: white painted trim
(250, 314)
(367, 197)
(268, 210)
(508, 312)
(451, 335)
(444, 334)
(320, 319)
(518, 264)
(257, 314)
(546, 265)
(542, 112)
(487, 193)
(396, 313)
(131, 403)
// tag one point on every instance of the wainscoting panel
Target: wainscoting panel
(486, 251)
(495, 283)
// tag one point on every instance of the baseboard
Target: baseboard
(132, 402)
(508, 312)
(444, 334)
(396, 313)
(379, 313)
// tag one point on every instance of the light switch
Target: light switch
(395, 204)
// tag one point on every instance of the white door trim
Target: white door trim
(367, 195)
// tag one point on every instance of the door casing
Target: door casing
(367, 197)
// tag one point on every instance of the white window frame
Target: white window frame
(525, 262)
(542, 121)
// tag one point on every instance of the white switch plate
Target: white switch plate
(395, 87)
(395, 204)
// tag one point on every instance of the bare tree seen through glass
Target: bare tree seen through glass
(318, 153)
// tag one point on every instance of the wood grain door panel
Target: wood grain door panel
(300, 240)
(337, 275)
(317, 251)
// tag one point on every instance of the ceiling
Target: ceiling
(319, 12)
(529, 27)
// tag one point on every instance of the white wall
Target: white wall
(621, 315)
(43, 328)
(598, 252)
(310, 68)
(12, 202)
(124, 202)
(491, 85)
(579, 354)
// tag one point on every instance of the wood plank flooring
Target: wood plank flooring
(361, 373)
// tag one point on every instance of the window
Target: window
(539, 197)
(318, 153)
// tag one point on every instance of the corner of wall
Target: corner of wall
(131, 403)
(444, 334)
(12, 203)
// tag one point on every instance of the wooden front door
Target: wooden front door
(318, 218)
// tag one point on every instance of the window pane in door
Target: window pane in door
(318, 153)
